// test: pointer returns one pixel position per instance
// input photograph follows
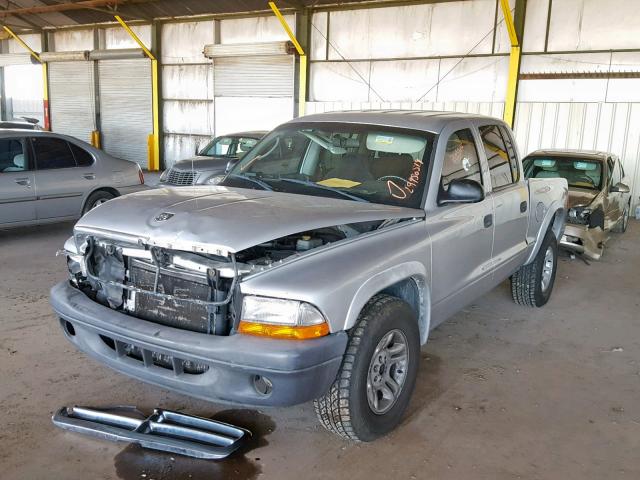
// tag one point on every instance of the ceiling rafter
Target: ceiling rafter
(58, 7)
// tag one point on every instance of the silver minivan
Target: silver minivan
(47, 177)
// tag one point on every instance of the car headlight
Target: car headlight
(75, 260)
(214, 180)
(164, 175)
(280, 318)
(579, 215)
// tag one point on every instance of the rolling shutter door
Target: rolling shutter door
(126, 108)
(251, 91)
(72, 99)
(254, 76)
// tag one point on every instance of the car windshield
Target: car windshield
(579, 172)
(230, 146)
(352, 162)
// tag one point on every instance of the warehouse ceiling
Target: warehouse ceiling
(42, 14)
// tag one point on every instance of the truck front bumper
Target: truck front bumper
(585, 240)
(231, 369)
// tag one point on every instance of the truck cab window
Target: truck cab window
(498, 158)
(460, 159)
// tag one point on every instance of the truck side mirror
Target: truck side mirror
(619, 188)
(230, 164)
(461, 190)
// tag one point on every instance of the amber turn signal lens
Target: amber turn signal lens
(283, 331)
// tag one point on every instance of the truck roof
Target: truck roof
(426, 120)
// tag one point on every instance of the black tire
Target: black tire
(526, 284)
(95, 199)
(622, 224)
(345, 409)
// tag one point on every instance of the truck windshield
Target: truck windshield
(579, 172)
(353, 162)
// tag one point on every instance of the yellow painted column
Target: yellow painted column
(514, 65)
(302, 73)
(153, 141)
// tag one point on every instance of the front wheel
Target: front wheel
(378, 373)
(532, 284)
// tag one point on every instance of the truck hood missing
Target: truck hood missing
(222, 220)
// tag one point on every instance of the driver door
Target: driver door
(17, 183)
(461, 234)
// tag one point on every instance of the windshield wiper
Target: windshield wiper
(257, 181)
(309, 183)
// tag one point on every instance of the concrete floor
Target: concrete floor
(503, 392)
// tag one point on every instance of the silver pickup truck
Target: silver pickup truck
(317, 268)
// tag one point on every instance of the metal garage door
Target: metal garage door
(253, 85)
(126, 108)
(252, 92)
(72, 98)
(254, 76)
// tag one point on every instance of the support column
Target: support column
(153, 144)
(515, 29)
(302, 60)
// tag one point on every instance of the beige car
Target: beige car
(599, 195)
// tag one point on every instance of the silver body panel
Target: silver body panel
(45, 196)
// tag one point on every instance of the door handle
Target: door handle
(89, 176)
(523, 207)
(23, 181)
(488, 220)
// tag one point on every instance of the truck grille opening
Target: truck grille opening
(152, 358)
(161, 291)
(174, 313)
(178, 178)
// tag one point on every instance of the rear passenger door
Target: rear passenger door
(17, 184)
(510, 197)
(62, 181)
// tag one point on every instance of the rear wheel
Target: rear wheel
(533, 283)
(378, 373)
(96, 199)
(622, 224)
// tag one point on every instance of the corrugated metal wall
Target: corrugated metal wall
(613, 127)
(187, 89)
(442, 56)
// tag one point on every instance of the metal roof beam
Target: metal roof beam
(60, 7)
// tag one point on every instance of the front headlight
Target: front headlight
(75, 260)
(579, 215)
(280, 318)
(164, 175)
(214, 180)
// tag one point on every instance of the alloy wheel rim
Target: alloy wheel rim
(547, 269)
(387, 371)
(97, 203)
